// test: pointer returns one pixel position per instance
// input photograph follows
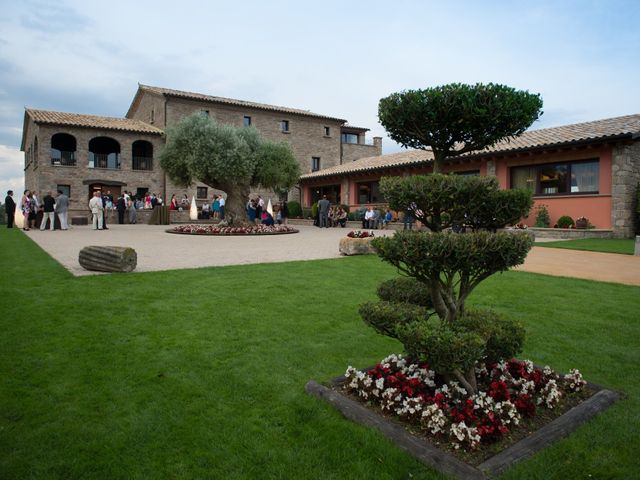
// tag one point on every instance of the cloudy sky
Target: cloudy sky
(332, 57)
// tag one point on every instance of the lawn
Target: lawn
(607, 245)
(201, 373)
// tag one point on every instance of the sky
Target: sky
(332, 57)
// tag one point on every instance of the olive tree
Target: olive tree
(228, 158)
(454, 119)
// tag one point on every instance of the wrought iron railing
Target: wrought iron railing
(142, 163)
(66, 159)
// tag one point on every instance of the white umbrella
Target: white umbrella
(270, 208)
(193, 212)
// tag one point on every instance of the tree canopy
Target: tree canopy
(228, 158)
(454, 119)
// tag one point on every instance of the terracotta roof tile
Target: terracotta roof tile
(599, 130)
(231, 101)
(91, 121)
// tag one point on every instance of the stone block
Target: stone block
(356, 246)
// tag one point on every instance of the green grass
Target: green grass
(607, 245)
(201, 373)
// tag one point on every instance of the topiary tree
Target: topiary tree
(454, 119)
(227, 158)
(446, 267)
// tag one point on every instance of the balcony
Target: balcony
(142, 163)
(109, 161)
(62, 158)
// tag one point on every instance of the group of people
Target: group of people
(214, 210)
(332, 216)
(31, 205)
(258, 214)
(373, 219)
(101, 206)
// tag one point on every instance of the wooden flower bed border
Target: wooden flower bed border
(445, 462)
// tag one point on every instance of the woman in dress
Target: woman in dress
(216, 207)
(147, 200)
(174, 203)
(25, 206)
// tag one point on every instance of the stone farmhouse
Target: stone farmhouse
(587, 170)
(79, 153)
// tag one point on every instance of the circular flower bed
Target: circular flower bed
(360, 234)
(507, 393)
(216, 230)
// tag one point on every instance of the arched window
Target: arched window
(104, 152)
(142, 155)
(63, 150)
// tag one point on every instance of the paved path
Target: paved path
(158, 250)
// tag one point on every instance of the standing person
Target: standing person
(174, 203)
(408, 219)
(121, 206)
(222, 202)
(284, 212)
(49, 212)
(62, 209)
(323, 211)
(251, 210)
(10, 208)
(215, 206)
(34, 206)
(133, 215)
(25, 206)
(147, 200)
(105, 210)
(259, 208)
(97, 210)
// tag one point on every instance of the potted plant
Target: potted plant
(565, 221)
(582, 222)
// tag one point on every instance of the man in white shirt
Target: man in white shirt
(368, 218)
(95, 204)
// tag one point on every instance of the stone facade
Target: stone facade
(42, 175)
(310, 135)
(625, 178)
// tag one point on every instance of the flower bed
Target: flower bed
(510, 394)
(216, 230)
(360, 234)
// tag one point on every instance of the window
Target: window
(327, 131)
(350, 138)
(153, 114)
(104, 152)
(247, 121)
(204, 113)
(369, 192)
(141, 155)
(65, 189)
(315, 164)
(284, 125)
(201, 193)
(558, 178)
(141, 192)
(63, 150)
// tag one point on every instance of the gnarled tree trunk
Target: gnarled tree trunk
(235, 207)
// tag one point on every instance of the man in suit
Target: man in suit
(48, 203)
(121, 206)
(323, 211)
(62, 209)
(10, 208)
(97, 209)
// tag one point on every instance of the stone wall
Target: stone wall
(625, 176)
(353, 151)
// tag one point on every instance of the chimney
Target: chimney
(377, 142)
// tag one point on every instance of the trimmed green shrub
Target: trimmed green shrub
(444, 201)
(543, 220)
(306, 213)
(565, 221)
(405, 290)
(447, 350)
(295, 209)
(314, 210)
(504, 337)
(387, 317)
